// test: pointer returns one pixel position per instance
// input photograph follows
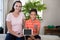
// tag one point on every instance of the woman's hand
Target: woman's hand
(32, 37)
(20, 35)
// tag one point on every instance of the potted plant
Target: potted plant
(35, 4)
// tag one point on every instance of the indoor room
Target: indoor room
(48, 14)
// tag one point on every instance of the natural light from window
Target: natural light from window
(1, 13)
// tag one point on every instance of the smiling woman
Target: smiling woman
(14, 21)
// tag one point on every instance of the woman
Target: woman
(14, 22)
(33, 24)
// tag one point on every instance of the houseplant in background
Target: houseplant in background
(34, 4)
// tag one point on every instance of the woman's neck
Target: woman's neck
(16, 12)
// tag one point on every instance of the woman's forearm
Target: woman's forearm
(9, 27)
(13, 33)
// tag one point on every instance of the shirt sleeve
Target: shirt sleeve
(8, 18)
(23, 16)
(26, 24)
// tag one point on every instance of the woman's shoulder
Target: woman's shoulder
(21, 13)
(9, 14)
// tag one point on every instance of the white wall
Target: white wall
(51, 16)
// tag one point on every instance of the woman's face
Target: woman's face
(33, 15)
(17, 6)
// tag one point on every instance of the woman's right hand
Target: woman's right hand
(19, 35)
(32, 37)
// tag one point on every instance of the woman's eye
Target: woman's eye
(16, 6)
(20, 6)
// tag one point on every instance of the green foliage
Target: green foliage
(35, 4)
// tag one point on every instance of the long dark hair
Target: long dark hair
(33, 10)
(12, 10)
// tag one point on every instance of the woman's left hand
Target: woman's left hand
(21, 35)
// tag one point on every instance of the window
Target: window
(1, 17)
(1, 13)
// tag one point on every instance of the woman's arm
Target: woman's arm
(23, 23)
(9, 27)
